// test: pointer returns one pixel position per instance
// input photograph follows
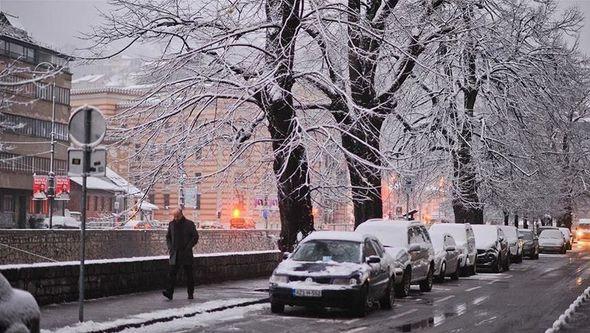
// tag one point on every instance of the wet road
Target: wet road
(528, 298)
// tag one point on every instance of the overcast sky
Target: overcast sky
(59, 22)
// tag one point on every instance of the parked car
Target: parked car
(514, 245)
(414, 238)
(446, 256)
(465, 243)
(334, 269)
(530, 245)
(492, 248)
(568, 237)
(583, 231)
(552, 240)
(19, 311)
(62, 222)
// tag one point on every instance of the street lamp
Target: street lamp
(51, 175)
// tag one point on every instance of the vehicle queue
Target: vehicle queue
(383, 258)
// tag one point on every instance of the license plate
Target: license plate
(307, 293)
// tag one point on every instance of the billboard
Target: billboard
(39, 187)
(62, 188)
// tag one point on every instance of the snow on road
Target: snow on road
(198, 321)
(90, 326)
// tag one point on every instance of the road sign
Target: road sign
(87, 117)
(98, 162)
(408, 184)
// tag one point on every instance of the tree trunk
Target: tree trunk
(515, 218)
(565, 220)
(365, 180)
(525, 223)
(506, 217)
(290, 160)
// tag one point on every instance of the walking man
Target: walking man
(182, 236)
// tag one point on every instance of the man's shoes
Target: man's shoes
(190, 296)
(167, 294)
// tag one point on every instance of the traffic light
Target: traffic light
(236, 213)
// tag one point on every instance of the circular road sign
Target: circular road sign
(87, 126)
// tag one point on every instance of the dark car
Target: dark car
(334, 269)
(19, 311)
(530, 247)
(492, 248)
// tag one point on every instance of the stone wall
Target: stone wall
(58, 282)
(31, 246)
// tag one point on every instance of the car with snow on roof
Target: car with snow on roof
(446, 256)
(514, 243)
(464, 242)
(403, 240)
(334, 269)
(492, 248)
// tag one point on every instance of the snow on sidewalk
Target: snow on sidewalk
(136, 308)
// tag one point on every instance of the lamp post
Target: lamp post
(51, 174)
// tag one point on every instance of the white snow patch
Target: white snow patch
(89, 326)
(200, 320)
(133, 259)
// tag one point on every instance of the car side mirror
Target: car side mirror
(414, 248)
(373, 260)
(450, 248)
(286, 255)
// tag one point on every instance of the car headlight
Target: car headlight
(345, 281)
(279, 278)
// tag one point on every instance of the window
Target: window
(30, 164)
(7, 203)
(110, 203)
(102, 205)
(95, 203)
(151, 198)
(166, 200)
(16, 50)
(198, 203)
(414, 236)
(368, 250)
(378, 247)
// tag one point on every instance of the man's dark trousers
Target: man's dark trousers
(188, 274)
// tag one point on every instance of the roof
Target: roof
(11, 27)
(392, 223)
(127, 187)
(336, 235)
(98, 183)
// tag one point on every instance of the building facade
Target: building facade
(26, 120)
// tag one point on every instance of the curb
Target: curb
(122, 327)
(567, 316)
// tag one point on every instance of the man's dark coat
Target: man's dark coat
(182, 236)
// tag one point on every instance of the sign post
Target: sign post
(408, 187)
(87, 129)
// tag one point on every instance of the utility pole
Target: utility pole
(51, 174)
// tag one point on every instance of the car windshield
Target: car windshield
(527, 235)
(551, 233)
(485, 234)
(388, 236)
(328, 250)
(459, 234)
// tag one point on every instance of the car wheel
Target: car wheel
(536, 256)
(277, 307)
(361, 307)
(473, 270)
(426, 284)
(403, 289)
(563, 250)
(455, 276)
(518, 259)
(507, 263)
(443, 270)
(386, 302)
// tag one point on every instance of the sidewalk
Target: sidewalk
(107, 313)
